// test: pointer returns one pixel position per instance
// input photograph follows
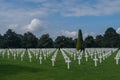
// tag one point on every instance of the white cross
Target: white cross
(74, 56)
(21, 57)
(8, 55)
(14, 56)
(86, 56)
(68, 63)
(30, 57)
(36, 55)
(100, 57)
(3, 55)
(103, 56)
(40, 59)
(44, 56)
(117, 59)
(95, 59)
(79, 58)
(53, 60)
(91, 55)
(71, 54)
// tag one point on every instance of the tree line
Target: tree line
(11, 39)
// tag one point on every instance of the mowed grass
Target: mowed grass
(11, 69)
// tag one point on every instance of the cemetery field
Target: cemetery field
(15, 69)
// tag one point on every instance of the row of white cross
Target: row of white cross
(31, 53)
(95, 54)
(74, 54)
(14, 53)
(53, 59)
(66, 58)
(42, 54)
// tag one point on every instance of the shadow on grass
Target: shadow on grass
(7, 70)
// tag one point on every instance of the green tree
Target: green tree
(45, 41)
(1, 41)
(111, 38)
(99, 41)
(11, 39)
(29, 40)
(79, 45)
(64, 42)
(89, 42)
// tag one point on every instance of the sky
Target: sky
(59, 17)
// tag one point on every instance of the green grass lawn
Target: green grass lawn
(11, 69)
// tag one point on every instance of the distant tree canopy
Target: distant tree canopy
(11, 39)
(89, 42)
(99, 41)
(45, 41)
(29, 40)
(64, 42)
(109, 39)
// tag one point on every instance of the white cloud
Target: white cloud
(13, 26)
(35, 25)
(22, 13)
(83, 8)
(86, 34)
(118, 30)
(101, 7)
(43, 8)
(69, 34)
(64, 7)
(66, 33)
(73, 34)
